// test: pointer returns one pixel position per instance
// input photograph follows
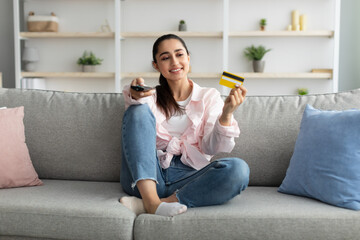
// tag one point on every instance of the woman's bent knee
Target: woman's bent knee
(139, 113)
(238, 172)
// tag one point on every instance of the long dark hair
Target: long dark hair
(165, 100)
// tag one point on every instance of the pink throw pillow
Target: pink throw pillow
(16, 168)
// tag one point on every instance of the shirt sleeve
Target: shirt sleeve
(217, 138)
(130, 101)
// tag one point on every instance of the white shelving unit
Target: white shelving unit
(226, 35)
(27, 35)
(282, 34)
(69, 74)
(180, 34)
(24, 36)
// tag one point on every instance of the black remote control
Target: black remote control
(141, 88)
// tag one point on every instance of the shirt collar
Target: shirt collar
(195, 96)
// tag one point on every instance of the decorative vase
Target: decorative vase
(89, 68)
(182, 27)
(30, 66)
(258, 65)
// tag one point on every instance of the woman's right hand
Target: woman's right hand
(136, 94)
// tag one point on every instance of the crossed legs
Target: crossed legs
(143, 178)
(140, 171)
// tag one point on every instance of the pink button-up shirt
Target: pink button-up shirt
(204, 137)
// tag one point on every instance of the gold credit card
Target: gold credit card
(230, 80)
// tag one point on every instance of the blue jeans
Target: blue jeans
(214, 184)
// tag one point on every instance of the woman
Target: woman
(170, 135)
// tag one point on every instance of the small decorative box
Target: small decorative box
(42, 23)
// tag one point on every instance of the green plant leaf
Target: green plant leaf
(89, 59)
(303, 91)
(263, 22)
(255, 53)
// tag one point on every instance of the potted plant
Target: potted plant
(262, 24)
(255, 54)
(303, 91)
(182, 25)
(88, 61)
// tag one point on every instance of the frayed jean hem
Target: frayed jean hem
(133, 185)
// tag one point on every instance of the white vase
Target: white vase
(30, 66)
(182, 27)
(89, 68)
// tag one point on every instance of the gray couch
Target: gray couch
(74, 143)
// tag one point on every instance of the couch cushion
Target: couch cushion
(74, 136)
(63, 209)
(269, 128)
(258, 213)
(326, 160)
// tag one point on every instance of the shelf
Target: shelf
(286, 75)
(67, 35)
(180, 34)
(243, 74)
(156, 75)
(323, 33)
(69, 74)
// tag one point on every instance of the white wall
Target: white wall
(350, 34)
(349, 71)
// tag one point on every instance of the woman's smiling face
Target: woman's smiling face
(172, 60)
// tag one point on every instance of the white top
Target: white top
(178, 123)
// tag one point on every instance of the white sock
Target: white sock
(170, 209)
(134, 204)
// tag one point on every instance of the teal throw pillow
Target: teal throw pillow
(326, 161)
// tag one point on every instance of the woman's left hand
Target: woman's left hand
(232, 102)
